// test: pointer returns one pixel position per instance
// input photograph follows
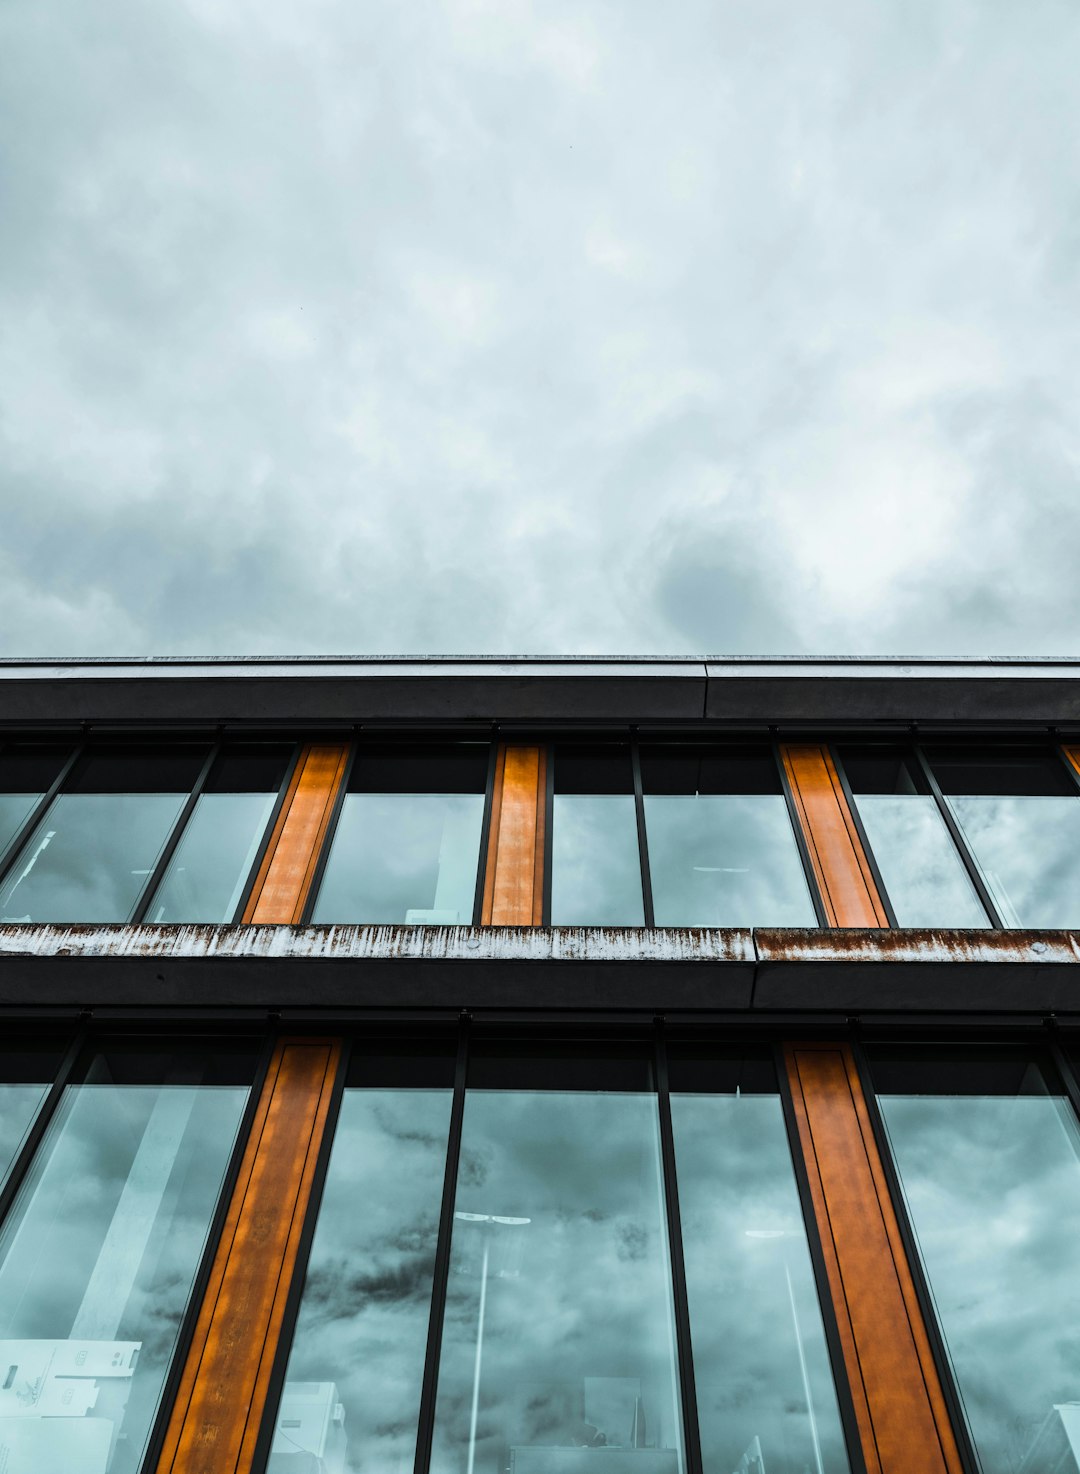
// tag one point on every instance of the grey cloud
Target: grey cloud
(476, 326)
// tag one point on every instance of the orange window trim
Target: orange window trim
(222, 1395)
(283, 884)
(900, 1408)
(514, 875)
(841, 869)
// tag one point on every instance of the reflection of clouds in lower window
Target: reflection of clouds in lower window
(992, 1184)
(577, 1347)
(352, 1393)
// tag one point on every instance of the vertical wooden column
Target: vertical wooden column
(514, 880)
(1072, 755)
(841, 869)
(220, 1402)
(901, 1412)
(288, 867)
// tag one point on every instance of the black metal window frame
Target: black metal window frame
(653, 1040)
(215, 747)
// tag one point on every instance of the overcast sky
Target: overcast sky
(745, 326)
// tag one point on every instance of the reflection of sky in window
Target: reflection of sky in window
(364, 1315)
(1028, 850)
(399, 853)
(207, 873)
(750, 1285)
(992, 1184)
(15, 809)
(89, 857)
(595, 869)
(725, 860)
(923, 874)
(106, 1234)
(578, 1318)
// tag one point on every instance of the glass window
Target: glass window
(722, 851)
(766, 1397)
(99, 1251)
(90, 856)
(558, 1334)
(988, 1155)
(1020, 814)
(26, 1073)
(209, 869)
(351, 1398)
(26, 775)
(407, 845)
(923, 874)
(595, 865)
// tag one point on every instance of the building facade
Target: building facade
(540, 1067)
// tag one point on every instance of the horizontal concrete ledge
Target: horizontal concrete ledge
(565, 968)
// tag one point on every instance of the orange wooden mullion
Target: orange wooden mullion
(284, 880)
(841, 868)
(514, 877)
(899, 1405)
(222, 1394)
(1072, 755)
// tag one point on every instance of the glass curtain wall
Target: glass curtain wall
(765, 1392)
(100, 1249)
(557, 1338)
(407, 844)
(923, 874)
(26, 775)
(988, 1155)
(595, 861)
(722, 851)
(209, 869)
(351, 1396)
(27, 1070)
(1019, 812)
(90, 856)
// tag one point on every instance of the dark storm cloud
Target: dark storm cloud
(475, 326)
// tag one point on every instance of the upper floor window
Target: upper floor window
(1019, 812)
(595, 865)
(722, 851)
(920, 866)
(95, 852)
(407, 844)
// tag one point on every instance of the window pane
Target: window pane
(988, 1155)
(766, 1398)
(1020, 816)
(89, 857)
(26, 775)
(98, 1255)
(595, 870)
(923, 874)
(404, 857)
(352, 1387)
(558, 1336)
(26, 1074)
(211, 864)
(725, 860)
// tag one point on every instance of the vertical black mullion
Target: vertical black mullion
(800, 838)
(283, 1349)
(14, 849)
(328, 839)
(186, 1331)
(643, 839)
(848, 1420)
(863, 839)
(549, 822)
(157, 874)
(485, 832)
(426, 1422)
(953, 1402)
(268, 829)
(40, 1124)
(683, 1341)
(974, 874)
